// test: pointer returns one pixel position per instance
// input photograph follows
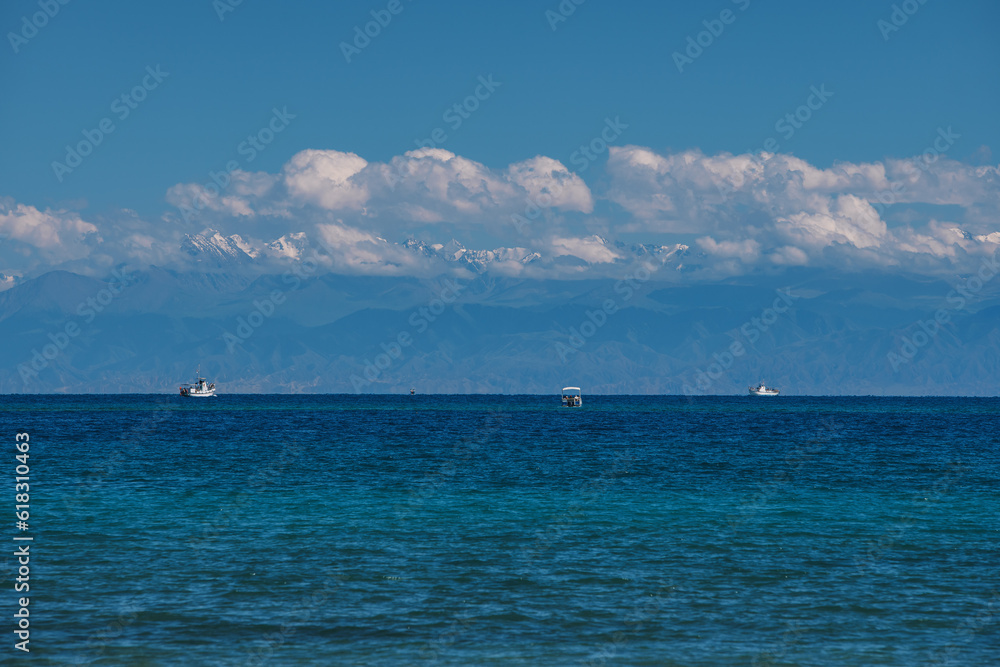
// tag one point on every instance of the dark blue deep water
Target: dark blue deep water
(498, 530)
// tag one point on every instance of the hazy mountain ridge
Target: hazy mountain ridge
(497, 335)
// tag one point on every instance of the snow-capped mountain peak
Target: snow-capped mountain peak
(992, 237)
(211, 246)
(452, 250)
(290, 246)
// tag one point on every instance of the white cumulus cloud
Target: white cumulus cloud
(326, 178)
(591, 249)
(52, 235)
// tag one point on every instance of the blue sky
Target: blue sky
(892, 92)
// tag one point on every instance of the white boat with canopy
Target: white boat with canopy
(571, 397)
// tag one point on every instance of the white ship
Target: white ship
(200, 389)
(763, 390)
(571, 397)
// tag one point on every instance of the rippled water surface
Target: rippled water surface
(478, 530)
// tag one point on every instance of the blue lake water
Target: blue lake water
(507, 530)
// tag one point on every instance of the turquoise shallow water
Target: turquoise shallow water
(468, 530)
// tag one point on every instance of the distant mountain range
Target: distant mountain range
(211, 249)
(477, 260)
(214, 249)
(803, 331)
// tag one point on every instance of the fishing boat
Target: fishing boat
(763, 390)
(571, 397)
(200, 388)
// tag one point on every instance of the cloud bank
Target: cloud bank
(732, 214)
